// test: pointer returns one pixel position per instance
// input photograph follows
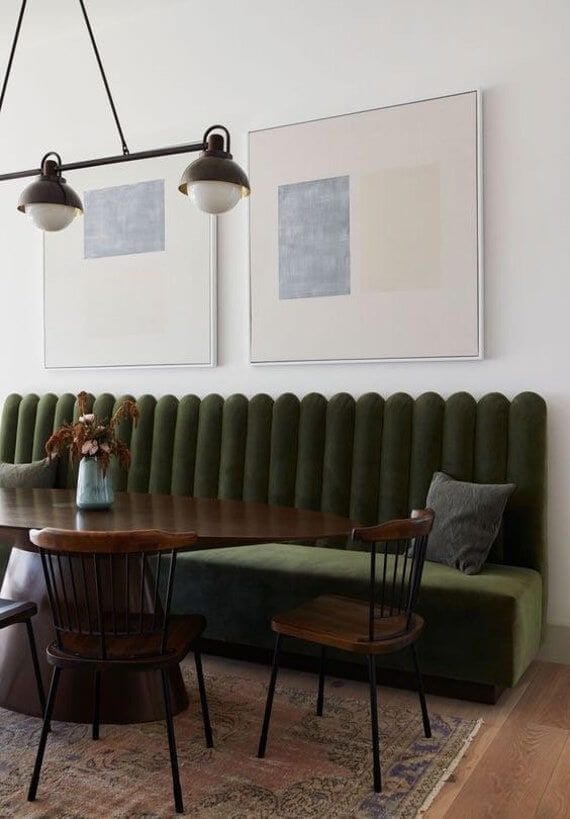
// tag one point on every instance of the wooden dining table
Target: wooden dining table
(127, 696)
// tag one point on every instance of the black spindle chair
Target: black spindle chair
(383, 624)
(110, 595)
(15, 611)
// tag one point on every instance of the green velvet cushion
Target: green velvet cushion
(36, 475)
(467, 520)
(483, 628)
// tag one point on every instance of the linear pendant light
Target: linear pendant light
(213, 182)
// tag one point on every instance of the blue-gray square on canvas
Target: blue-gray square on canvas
(124, 219)
(314, 238)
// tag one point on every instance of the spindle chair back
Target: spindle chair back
(110, 595)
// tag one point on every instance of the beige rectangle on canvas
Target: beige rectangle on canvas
(397, 229)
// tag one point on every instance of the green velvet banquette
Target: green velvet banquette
(369, 458)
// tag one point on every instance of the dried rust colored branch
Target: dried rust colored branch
(93, 437)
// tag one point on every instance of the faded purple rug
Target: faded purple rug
(315, 766)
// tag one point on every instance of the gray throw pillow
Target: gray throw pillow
(467, 520)
(37, 475)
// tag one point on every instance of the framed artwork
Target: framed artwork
(132, 283)
(365, 236)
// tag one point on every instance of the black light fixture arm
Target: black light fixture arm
(191, 147)
(104, 78)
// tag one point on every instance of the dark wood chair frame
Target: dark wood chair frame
(110, 595)
(387, 620)
(12, 612)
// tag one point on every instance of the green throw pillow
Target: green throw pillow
(467, 520)
(37, 475)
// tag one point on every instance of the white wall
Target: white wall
(180, 65)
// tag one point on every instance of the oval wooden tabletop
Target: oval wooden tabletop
(217, 522)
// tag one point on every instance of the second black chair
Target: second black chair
(382, 624)
(12, 612)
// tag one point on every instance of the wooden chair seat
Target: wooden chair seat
(343, 623)
(13, 611)
(82, 650)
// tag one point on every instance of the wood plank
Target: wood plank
(534, 688)
(494, 717)
(555, 803)
(549, 701)
(512, 774)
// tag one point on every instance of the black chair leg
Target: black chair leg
(96, 704)
(321, 694)
(269, 703)
(43, 736)
(425, 715)
(374, 721)
(172, 743)
(203, 700)
(37, 672)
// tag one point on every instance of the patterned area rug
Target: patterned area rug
(315, 766)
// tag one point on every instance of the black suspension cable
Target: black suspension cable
(107, 160)
(104, 78)
(12, 51)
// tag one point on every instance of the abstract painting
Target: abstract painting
(141, 267)
(366, 244)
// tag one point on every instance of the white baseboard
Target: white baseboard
(556, 645)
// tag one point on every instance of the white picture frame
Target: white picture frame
(319, 150)
(160, 308)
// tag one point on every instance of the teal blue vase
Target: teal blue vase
(94, 488)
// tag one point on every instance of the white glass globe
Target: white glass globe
(51, 217)
(214, 197)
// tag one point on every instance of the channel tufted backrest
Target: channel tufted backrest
(369, 458)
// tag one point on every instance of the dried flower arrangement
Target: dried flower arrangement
(93, 437)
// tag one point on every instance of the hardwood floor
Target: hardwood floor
(518, 764)
(556, 797)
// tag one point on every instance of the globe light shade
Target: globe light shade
(49, 201)
(214, 182)
(50, 217)
(214, 197)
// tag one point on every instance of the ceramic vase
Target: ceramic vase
(94, 488)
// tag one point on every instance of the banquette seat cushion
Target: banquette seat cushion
(482, 628)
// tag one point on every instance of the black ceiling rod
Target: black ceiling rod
(12, 51)
(104, 78)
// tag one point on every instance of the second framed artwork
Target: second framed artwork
(132, 283)
(365, 236)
